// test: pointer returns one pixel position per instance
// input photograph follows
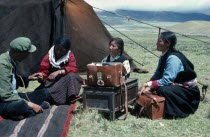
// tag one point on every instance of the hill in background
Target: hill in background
(192, 27)
(163, 16)
(185, 23)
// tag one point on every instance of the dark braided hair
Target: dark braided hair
(63, 42)
(119, 43)
(169, 37)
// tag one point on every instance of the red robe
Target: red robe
(45, 66)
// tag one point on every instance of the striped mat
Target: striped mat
(53, 122)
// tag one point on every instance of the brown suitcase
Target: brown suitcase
(104, 74)
(151, 105)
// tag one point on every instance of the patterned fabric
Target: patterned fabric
(66, 86)
(54, 122)
(63, 86)
(191, 83)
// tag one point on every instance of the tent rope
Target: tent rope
(129, 18)
(204, 87)
(130, 39)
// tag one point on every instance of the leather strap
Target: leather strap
(123, 82)
(24, 87)
(141, 110)
(154, 98)
(120, 104)
(126, 101)
(121, 92)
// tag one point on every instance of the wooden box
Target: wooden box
(109, 99)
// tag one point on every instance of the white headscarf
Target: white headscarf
(57, 63)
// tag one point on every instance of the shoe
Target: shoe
(17, 118)
(137, 70)
(14, 118)
(76, 98)
(45, 105)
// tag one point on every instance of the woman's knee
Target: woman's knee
(164, 90)
(75, 76)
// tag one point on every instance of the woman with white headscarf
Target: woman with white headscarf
(58, 73)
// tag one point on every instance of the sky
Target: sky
(195, 6)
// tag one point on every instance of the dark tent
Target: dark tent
(43, 20)
(29, 18)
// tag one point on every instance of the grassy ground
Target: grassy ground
(92, 124)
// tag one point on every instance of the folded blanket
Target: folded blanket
(53, 122)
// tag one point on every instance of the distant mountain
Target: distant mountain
(160, 15)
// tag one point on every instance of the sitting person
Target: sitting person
(57, 73)
(116, 48)
(14, 105)
(174, 79)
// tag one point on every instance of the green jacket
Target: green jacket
(6, 75)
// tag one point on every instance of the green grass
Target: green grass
(92, 124)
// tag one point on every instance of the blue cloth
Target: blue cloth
(173, 67)
(37, 96)
(16, 110)
(14, 83)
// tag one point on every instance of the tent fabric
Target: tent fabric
(44, 20)
(28, 18)
(53, 122)
(89, 36)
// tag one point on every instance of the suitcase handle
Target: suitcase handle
(154, 99)
(91, 78)
(109, 78)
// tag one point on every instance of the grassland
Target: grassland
(193, 27)
(93, 124)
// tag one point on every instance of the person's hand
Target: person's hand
(36, 76)
(35, 107)
(144, 88)
(53, 75)
(84, 81)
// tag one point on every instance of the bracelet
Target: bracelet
(150, 84)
